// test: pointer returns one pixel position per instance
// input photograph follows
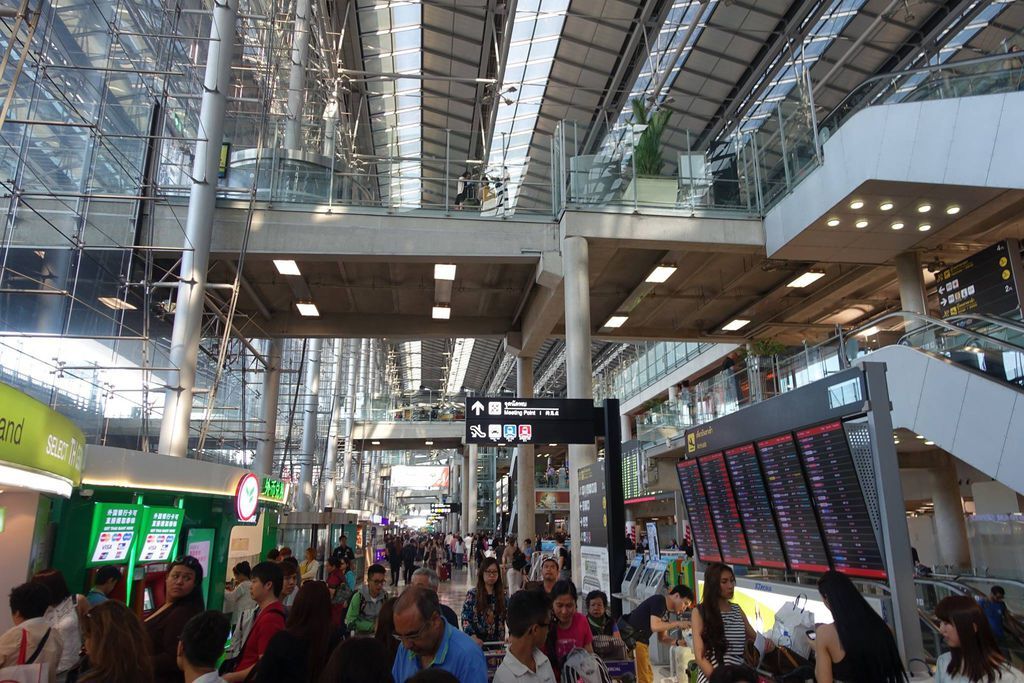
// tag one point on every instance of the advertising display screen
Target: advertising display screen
(755, 509)
(725, 512)
(419, 477)
(115, 527)
(159, 533)
(787, 487)
(704, 539)
(839, 500)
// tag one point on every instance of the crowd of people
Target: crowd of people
(285, 620)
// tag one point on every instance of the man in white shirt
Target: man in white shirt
(201, 644)
(28, 605)
(529, 619)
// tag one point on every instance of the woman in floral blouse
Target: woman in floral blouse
(483, 614)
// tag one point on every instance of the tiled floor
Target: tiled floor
(453, 592)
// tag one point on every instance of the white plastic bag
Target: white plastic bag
(792, 622)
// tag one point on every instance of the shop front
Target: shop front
(139, 511)
(40, 465)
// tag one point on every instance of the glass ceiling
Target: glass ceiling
(535, 34)
(458, 365)
(391, 33)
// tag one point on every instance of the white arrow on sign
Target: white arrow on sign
(478, 407)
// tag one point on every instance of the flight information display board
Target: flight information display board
(839, 500)
(631, 487)
(725, 512)
(791, 499)
(755, 509)
(704, 539)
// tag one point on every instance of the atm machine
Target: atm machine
(627, 591)
(652, 580)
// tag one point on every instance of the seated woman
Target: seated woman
(607, 641)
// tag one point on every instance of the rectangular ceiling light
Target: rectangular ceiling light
(737, 324)
(117, 304)
(441, 313)
(616, 321)
(660, 274)
(808, 278)
(428, 443)
(308, 309)
(287, 267)
(444, 271)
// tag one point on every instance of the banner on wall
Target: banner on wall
(419, 477)
(550, 501)
(200, 546)
(36, 437)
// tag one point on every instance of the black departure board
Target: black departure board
(839, 500)
(725, 513)
(631, 487)
(755, 508)
(704, 539)
(791, 499)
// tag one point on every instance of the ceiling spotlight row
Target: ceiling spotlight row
(889, 205)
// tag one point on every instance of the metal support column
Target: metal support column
(525, 461)
(579, 371)
(307, 450)
(297, 76)
(327, 477)
(892, 510)
(264, 462)
(347, 480)
(471, 487)
(195, 258)
(911, 283)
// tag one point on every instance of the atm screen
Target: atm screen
(755, 508)
(147, 600)
(839, 499)
(704, 539)
(791, 499)
(631, 570)
(724, 510)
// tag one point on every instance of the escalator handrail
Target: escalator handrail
(929, 321)
(1009, 323)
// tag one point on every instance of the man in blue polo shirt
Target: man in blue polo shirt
(428, 641)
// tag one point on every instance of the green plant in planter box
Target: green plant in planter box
(764, 348)
(647, 152)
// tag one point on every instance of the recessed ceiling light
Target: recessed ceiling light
(287, 267)
(924, 227)
(375, 443)
(660, 274)
(857, 204)
(117, 304)
(808, 278)
(736, 324)
(870, 332)
(929, 443)
(307, 309)
(952, 209)
(862, 223)
(441, 313)
(429, 443)
(444, 271)
(918, 436)
(552, 444)
(924, 208)
(886, 206)
(832, 222)
(898, 225)
(616, 321)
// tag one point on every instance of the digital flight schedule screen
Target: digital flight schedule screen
(725, 513)
(801, 536)
(704, 538)
(837, 495)
(755, 509)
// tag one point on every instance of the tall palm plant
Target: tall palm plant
(648, 148)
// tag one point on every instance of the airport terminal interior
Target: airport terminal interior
(659, 285)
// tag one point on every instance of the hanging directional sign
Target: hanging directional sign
(987, 282)
(511, 421)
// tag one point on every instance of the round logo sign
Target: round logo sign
(247, 497)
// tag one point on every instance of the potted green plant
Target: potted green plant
(649, 186)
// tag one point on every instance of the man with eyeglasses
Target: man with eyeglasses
(529, 620)
(429, 642)
(364, 608)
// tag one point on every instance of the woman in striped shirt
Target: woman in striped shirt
(720, 628)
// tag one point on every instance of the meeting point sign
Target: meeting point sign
(35, 437)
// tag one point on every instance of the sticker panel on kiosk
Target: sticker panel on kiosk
(839, 499)
(704, 539)
(801, 535)
(161, 527)
(755, 508)
(725, 512)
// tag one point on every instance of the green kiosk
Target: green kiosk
(139, 511)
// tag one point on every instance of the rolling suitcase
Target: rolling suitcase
(444, 571)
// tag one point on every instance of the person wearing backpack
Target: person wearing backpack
(364, 608)
(31, 640)
(341, 591)
(267, 581)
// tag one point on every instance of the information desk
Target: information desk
(751, 497)
(801, 536)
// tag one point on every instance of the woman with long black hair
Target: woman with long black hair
(483, 613)
(184, 600)
(300, 651)
(720, 628)
(974, 655)
(858, 646)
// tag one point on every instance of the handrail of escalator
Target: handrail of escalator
(936, 323)
(1009, 323)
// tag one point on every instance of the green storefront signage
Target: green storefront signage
(115, 531)
(34, 436)
(273, 489)
(158, 537)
